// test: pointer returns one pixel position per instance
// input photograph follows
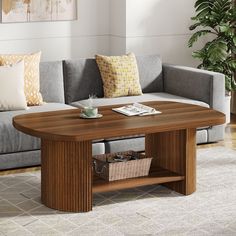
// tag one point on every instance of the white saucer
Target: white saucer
(82, 115)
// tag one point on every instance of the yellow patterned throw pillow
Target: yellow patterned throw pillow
(31, 75)
(120, 75)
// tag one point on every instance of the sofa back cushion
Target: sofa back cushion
(31, 74)
(150, 73)
(120, 75)
(81, 79)
(12, 95)
(51, 82)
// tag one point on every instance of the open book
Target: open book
(136, 109)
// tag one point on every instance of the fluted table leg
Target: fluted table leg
(67, 175)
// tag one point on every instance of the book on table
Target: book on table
(136, 109)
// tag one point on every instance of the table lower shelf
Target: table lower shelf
(158, 176)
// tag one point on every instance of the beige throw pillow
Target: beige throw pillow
(120, 75)
(31, 76)
(12, 96)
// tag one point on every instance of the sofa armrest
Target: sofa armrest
(202, 85)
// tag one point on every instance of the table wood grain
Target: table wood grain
(67, 126)
(66, 149)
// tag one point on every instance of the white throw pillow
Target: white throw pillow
(12, 96)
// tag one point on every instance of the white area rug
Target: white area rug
(152, 210)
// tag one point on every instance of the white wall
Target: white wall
(109, 27)
(61, 40)
(117, 27)
(159, 27)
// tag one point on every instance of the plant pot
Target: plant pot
(227, 108)
(233, 102)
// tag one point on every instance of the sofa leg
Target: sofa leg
(67, 175)
(176, 152)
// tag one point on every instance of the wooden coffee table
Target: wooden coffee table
(66, 149)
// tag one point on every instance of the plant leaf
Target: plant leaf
(218, 17)
(233, 84)
(228, 83)
(197, 54)
(232, 64)
(204, 5)
(203, 13)
(234, 40)
(216, 68)
(196, 36)
(217, 51)
(194, 26)
(224, 28)
(199, 2)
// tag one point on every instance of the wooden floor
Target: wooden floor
(229, 141)
(230, 136)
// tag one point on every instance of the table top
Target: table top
(67, 126)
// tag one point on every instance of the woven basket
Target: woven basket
(121, 170)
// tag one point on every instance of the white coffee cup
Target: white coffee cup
(90, 111)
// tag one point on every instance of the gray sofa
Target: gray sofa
(67, 84)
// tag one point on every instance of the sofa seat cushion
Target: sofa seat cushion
(13, 140)
(138, 143)
(32, 158)
(201, 136)
(146, 97)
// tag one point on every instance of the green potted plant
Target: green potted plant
(217, 20)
